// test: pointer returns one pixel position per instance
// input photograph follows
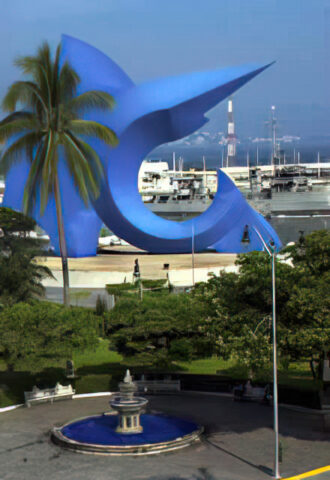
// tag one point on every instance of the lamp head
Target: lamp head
(246, 235)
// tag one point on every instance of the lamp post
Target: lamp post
(271, 250)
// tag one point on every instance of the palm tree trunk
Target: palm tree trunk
(63, 249)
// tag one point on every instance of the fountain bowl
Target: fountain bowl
(97, 435)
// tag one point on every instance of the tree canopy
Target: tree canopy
(157, 329)
(21, 276)
(238, 306)
(33, 331)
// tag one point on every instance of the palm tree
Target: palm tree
(50, 118)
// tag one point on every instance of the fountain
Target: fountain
(128, 407)
(126, 430)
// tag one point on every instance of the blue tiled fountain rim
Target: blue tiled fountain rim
(101, 430)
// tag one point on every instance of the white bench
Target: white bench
(158, 386)
(59, 392)
(252, 394)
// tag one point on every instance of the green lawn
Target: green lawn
(100, 357)
(100, 370)
(298, 374)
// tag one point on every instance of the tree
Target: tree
(238, 309)
(50, 120)
(238, 306)
(21, 276)
(311, 254)
(35, 332)
(157, 329)
(308, 325)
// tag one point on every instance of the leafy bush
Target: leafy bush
(100, 307)
(150, 287)
(21, 277)
(118, 289)
(155, 330)
(181, 349)
(42, 329)
(154, 283)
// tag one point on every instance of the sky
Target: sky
(155, 38)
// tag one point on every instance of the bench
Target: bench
(158, 386)
(251, 394)
(59, 392)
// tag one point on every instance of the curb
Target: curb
(74, 397)
(311, 473)
(90, 395)
(11, 407)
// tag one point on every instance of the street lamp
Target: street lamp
(271, 250)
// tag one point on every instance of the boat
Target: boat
(296, 198)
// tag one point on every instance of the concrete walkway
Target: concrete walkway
(237, 445)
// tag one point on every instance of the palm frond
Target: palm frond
(17, 126)
(19, 114)
(46, 173)
(28, 93)
(91, 156)
(92, 99)
(14, 153)
(56, 75)
(34, 180)
(68, 80)
(85, 173)
(74, 160)
(94, 129)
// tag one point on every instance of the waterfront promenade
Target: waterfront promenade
(117, 265)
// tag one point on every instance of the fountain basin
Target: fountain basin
(97, 434)
(123, 405)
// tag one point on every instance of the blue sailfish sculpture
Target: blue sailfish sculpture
(144, 117)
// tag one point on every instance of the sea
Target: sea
(246, 151)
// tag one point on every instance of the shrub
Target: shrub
(181, 349)
(41, 329)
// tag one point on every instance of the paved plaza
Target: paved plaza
(237, 444)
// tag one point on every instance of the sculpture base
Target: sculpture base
(97, 435)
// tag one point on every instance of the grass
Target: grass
(297, 375)
(101, 356)
(100, 370)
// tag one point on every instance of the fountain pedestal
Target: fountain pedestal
(128, 407)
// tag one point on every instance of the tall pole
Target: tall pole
(273, 122)
(257, 155)
(204, 171)
(62, 242)
(193, 252)
(271, 250)
(275, 393)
